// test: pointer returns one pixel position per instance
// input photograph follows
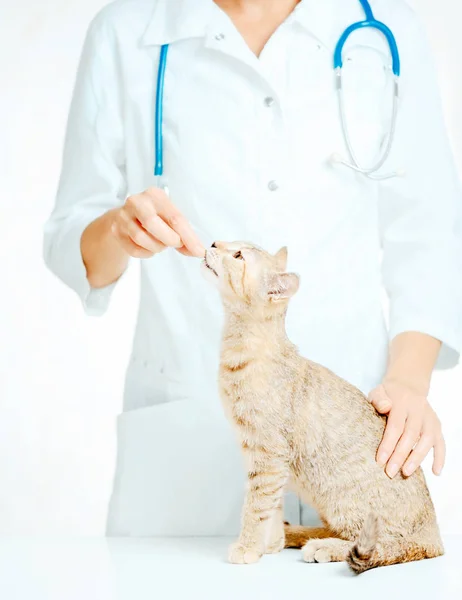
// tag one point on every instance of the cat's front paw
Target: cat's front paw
(242, 555)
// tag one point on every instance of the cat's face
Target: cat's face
(244, 273)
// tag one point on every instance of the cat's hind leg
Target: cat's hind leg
(326, 550)
(370, 550)
(319, 544)
(296, 536)
(283, 535)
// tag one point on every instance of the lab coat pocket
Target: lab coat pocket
(179, 473)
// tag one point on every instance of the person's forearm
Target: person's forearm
(104, 258)
(412, 358)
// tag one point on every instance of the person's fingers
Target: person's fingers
(130, 247)
(432, 437)
(131, 231)
(162, 221)
(380, 400)
(176, 220)
(143, 239)
(404, 447)
(418, 454)
(184, 251)
(142, 207)
(158, 228)
(190, 240)
(393, 431)
(439, 455)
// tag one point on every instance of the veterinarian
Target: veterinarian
(245, 132)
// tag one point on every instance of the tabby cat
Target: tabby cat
(303, 428)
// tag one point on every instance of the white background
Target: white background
(61, 374)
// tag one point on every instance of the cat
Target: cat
(303, 428)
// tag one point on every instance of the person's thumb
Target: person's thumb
(380, 400)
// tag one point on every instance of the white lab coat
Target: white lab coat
(247, 143)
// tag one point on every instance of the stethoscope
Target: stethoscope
(353, 163)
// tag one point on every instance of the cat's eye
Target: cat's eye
(238, 255)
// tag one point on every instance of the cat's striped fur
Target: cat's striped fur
(302, 427)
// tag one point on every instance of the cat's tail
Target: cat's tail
(361, 556)
(369, 551)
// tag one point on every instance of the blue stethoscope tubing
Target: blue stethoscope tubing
(159, 116)
(371, 172)
(369, 22)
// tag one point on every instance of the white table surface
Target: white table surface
(164, 569)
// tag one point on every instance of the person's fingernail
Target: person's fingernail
(382, 458)
(439, 471)
(409, 469)
(392, 470)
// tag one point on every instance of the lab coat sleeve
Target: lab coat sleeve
(420, 212)
(92, 179)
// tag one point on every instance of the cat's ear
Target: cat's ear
(283, 286)
(281, 258)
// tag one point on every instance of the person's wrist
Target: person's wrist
(412, 357)
(103, 256)
(417, 383)
(110, 219)
(110, 230)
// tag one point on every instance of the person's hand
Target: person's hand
(412, 430)
(149, 223)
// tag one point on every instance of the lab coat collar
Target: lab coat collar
(175, 20)
(324, 20)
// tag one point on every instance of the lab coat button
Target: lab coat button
(269, 101)
(273, 186)
(219, 37)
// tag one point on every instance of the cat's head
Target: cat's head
(248, 276)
